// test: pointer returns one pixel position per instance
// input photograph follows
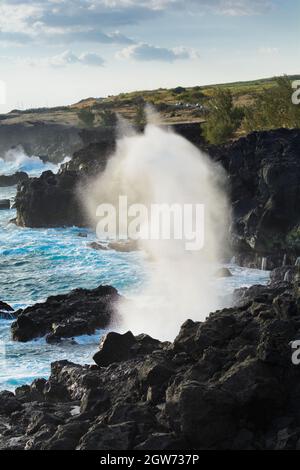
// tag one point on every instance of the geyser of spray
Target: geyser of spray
(160, 167)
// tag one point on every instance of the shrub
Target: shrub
(178, 90)
(87, 117)
(223, 118)
(140, 118)
(273, 109)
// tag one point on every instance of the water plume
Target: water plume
(161, 167)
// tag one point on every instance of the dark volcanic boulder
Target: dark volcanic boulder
(285, 273)
(8, 403)
(97, 246)
(115, 347)
(49, 201)
(12, 180)
(231, 382)
(121, 246)
(82, 311)
(5, 307)
(124, 246)
(93, 158)
(6, 311)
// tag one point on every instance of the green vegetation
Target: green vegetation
(223, 119)
(87, 117)
(140, 117)
(108, 118)
(270, 107)
(273, 108)
(91, 117)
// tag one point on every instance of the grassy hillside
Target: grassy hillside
(176, 105)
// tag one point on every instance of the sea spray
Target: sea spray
(160, 167)
(16, 160)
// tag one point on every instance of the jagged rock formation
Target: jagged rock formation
(226, 383)
(92, 158)
(286, 273)
(264, 180)
(13, 180)
(82, 311)
(51, 200)
(6, 311)
(121, 246)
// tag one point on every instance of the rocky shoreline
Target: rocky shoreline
(226, 383)
(263, 181)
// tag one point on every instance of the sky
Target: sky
(57, 52)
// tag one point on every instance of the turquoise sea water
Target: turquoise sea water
(36, 263)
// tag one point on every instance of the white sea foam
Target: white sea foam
(16, 160)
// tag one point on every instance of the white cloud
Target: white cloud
(60, 22)
(148, 52)
(67, 58)
(15, 18)
(226, 7)
(91, 59)
(243, 7)
(86, 20)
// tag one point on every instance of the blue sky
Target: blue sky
(57, 52)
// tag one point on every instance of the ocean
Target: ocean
(37, 263)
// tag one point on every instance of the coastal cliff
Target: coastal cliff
(263, 179)
(51, 142)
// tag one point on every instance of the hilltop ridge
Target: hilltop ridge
(176, 105)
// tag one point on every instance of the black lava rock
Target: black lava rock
(226, 383)
(82, 311)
